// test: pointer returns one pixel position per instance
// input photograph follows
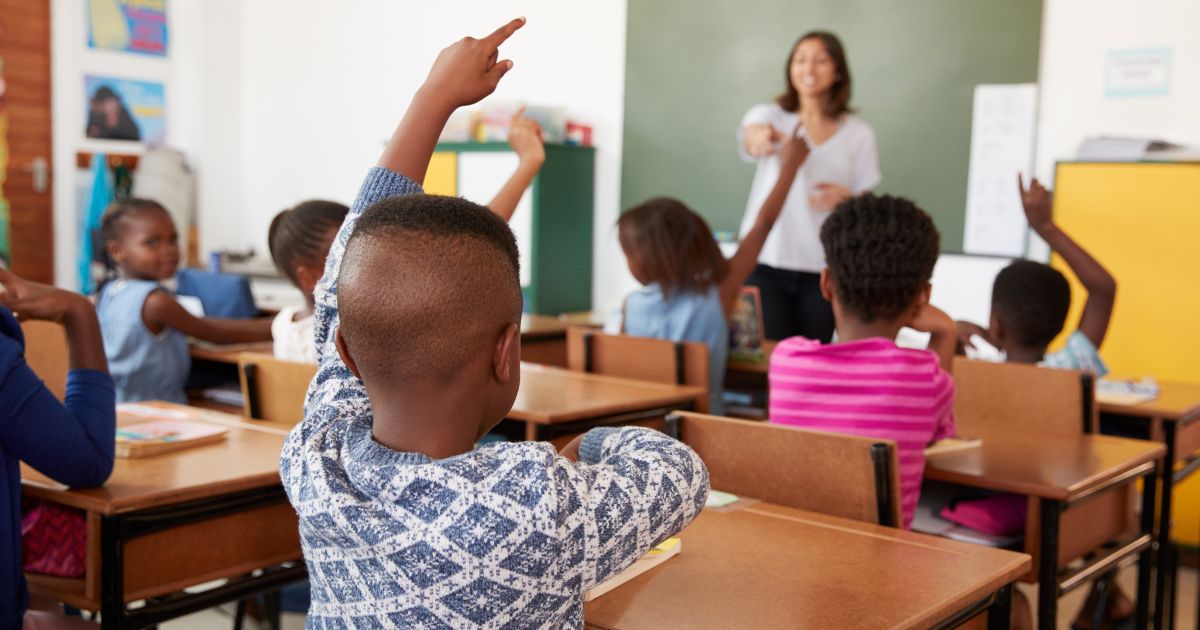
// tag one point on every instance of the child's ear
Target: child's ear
(114, 250)
(307, 278)
(344, 352)
(826, 285)
(997, 331)
(508, 354)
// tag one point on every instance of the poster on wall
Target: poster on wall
(1003, 125)
(124, 109)
(137, 26)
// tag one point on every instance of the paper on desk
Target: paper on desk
(149, 411)
(717, 499)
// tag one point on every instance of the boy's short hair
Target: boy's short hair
(1031, 300)
(880, 251)
(426, 281)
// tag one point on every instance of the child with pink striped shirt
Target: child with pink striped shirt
(880, 252)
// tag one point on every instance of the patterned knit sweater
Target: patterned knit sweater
(506, 536)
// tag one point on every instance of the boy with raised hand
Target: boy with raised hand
(1030, 300)
(402, 523)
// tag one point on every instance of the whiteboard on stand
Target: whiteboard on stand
(1003, 126)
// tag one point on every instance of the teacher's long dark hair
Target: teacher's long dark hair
(839, 93)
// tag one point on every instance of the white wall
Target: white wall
(1077, 36)
(323, 84)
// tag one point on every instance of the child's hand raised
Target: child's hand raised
(794, 151)
(469, 70)
(1037, 201)
(31, 300)
(525, 137)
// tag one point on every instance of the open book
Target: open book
(669, 548)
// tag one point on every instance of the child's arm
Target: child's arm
(792, 155)
(161, 311)
(462, 74)
(1101, 286)
(634, 488)
(72, 441)
(525, 137)
(943, 332)
(965, 331)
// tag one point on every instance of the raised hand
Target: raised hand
(793, 151)
(1037, 202)
(469, 69)
(31, 300)
(525, 138)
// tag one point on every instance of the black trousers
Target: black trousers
(792, 304)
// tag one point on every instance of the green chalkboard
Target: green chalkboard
(692, 70)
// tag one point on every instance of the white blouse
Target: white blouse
(849, 158)
(293, 340)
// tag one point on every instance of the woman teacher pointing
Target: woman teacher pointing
(843, 162)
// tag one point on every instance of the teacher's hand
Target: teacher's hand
(760, 139)
(827, 196)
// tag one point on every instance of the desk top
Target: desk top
(551, 395)
(247, 458)
(1176, 401)
(227, 353)
(534, 326)
(1041, 465)
(765, 566)
(757, 367)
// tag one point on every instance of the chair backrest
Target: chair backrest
(222, 294)
(841, 475)
(273, 389)
(47, 354)
(641, 358)
(1024, 397)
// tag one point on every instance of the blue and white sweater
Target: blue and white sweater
(506, 536)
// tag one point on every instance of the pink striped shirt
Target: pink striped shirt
(871, 388)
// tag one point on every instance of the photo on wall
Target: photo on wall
(136, 26)
(124, 109)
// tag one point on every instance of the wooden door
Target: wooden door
(25, 104)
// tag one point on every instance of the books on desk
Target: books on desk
(163, 431)
(668, 549)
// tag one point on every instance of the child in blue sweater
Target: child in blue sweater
(417, 326)
(72, 442)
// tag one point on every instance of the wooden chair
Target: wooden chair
(841, 475)
(1024, 397)
(273, 389)
(47, 354)
(641, 358)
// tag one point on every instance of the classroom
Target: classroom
(635, 314)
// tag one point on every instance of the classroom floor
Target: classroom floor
(1067, 607)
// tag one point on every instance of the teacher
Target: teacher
(843, 162)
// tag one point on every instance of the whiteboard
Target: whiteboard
(962, 285)
(480, 176)
(1003, 127)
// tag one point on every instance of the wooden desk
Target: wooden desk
(555, 401)
(227, 353)
(765, 566)
(543, 340)
(176, 520)
(1058, 472)
(1174, 420)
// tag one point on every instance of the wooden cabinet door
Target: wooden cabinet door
(25, 106)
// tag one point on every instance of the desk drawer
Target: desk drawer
(223, 546)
